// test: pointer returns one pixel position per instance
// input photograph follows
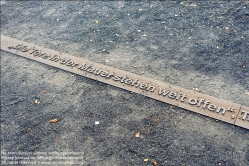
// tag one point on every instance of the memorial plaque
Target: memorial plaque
(200, 103)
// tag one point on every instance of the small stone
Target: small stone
(144, 35)
(97, 122)
(137, 134)
(44, 91)
(193, 5)
(172, 106)
(104, 50)
(196, 89)
(146, 160)
(29, 129)
(53, 120)
(37, 102)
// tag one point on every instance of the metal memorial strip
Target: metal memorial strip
(200, 103)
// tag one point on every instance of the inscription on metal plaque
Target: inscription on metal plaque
(200, 103)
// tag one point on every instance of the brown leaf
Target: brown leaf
(154, 162)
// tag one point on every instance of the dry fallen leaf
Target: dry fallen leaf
(53, 120)
(57, 140)
(137, 134)
(154, 162)
(96, 22)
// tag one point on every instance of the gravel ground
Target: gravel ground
(201, 44)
